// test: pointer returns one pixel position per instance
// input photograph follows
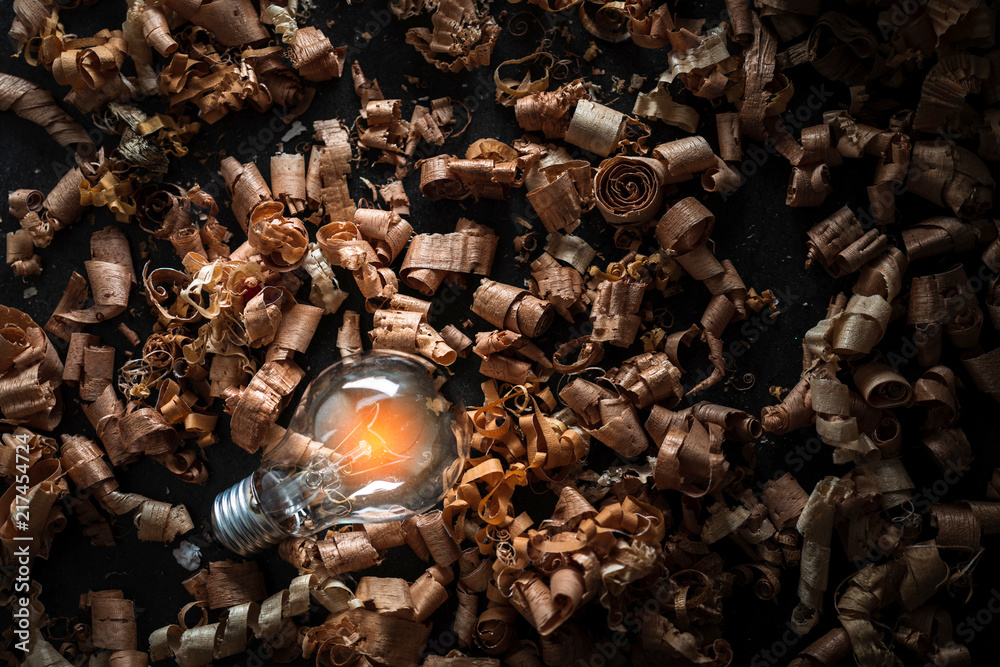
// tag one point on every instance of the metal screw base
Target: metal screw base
(237, 526)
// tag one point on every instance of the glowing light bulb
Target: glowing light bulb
(377, 437)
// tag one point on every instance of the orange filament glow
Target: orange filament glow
(382, 437)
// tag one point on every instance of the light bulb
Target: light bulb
(377, 437)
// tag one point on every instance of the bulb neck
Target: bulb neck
(238, 525)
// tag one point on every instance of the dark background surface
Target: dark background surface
(755, 229)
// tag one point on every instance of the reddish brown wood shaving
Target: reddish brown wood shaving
(32, 102)
(98, 368)
(113, 620)
(882, 387)
(549, 112)
(229, 584)
(349, 334)
(985, 371)
(647, 379)
(246, 187)
(561, 286)
(614, 312)
(460, 32)
(936, 391)
(629, 189)
(21, 256)
(431, 258)
(759, 68)
(257, 406)
(30, 373)
(288, 181)
(315, 57)
(457, 340)
(690, 459)
(936, 236)
(840, 244)
(828, 650)
(738, 425)
(508, 307)
(564, 193)
(588, 354)
(489, 170)
(683, 232)
(614, 535)
(408, 331)
(146, 431)
(940, 167)
(650, 28)
(939, 304)
(365, 634)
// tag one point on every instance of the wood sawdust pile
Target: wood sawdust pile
(585, 389)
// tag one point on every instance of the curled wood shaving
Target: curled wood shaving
(324, 291)
(628, 189)
(30, 373)
(936, 392)
(943, 303)
(511, 90)
(93, 65)
(257, 406)
(570, 249)
(815, 523)
(562, 286)
(882, 387)
(282, 242)
(758, 73)
(203, 643)
(30, 18)
(508, 307)
(21, 256)
(431, 258)
(113, 620)
(660, 105)
(156, 521)
(548, 112)
(614, 312)
(33, 103)
(489, 170)
(596, 128)
(650, 28)
(683, 231)
(690, 458)
(560, 191)
(408, 331)
(842, 246)
(939, 235)
(311, 52)
(949, 175)
(461, 38)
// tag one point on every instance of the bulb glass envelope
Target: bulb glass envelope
(377, 437)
